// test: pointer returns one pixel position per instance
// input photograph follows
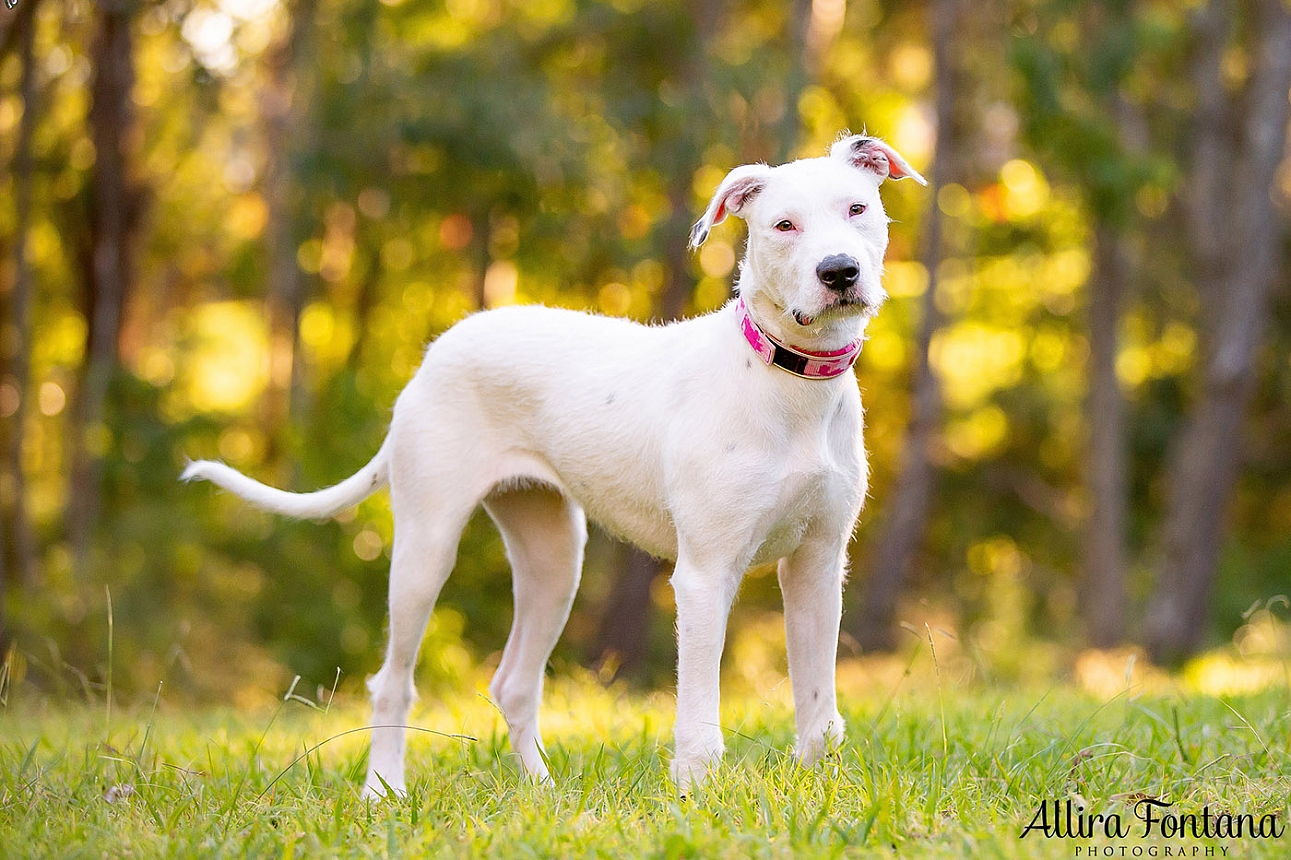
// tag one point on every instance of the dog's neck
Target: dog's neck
(823, 335)
(804, 357)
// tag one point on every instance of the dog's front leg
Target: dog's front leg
(811, 582)
(704, 597)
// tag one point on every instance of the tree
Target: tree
(284, 108)
(1105, 591)
(910, 504)
(1238, 142)
(1080, 120)
(115, 208)
(1113, 169)
(18, 554)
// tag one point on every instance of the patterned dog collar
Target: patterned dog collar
(800, 362)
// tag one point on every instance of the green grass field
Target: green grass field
(932, 767)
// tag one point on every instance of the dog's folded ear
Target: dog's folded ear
(734, 193)
(872, 154)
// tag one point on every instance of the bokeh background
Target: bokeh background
(228, 228)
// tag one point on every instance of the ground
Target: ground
(933, 767)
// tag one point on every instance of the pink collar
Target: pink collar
(800, 362)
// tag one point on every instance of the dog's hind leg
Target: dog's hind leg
(544, 533)
(422, 559)
(428, 520)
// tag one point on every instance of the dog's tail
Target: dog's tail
(317, 505)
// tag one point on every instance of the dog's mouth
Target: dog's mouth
(843, 304)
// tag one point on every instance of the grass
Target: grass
(932, 768)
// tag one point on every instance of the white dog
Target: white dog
(723, 441)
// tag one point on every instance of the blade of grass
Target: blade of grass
(107, 721)
(328, 740)
(1245, 723)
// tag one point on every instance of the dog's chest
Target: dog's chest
(813, 487)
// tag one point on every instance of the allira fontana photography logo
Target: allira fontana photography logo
(1149, 818)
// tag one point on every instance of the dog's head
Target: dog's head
(817, 229)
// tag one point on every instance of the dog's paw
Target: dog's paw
(814, 745)
(376, 788)
(688, 775)
(690, 770)
(538, 775)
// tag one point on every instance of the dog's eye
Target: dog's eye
(784, 226)
(857, 209)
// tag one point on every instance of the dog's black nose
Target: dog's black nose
(838, 272)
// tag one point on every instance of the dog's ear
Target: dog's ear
(739, 187)
(870, 153)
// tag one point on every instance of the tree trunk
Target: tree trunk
(479, 254)
(907, 508)
(113, 216)
(283, 112)
(1212, 152)
(623, 638)
(363, 307)
(1106, 463)
(1207, 459)
(18, 555)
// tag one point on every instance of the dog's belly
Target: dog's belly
(613, 474)
(647, 529)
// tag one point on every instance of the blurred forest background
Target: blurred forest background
(228, 228)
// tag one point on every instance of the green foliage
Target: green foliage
(1083, 74)
(455, 154)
